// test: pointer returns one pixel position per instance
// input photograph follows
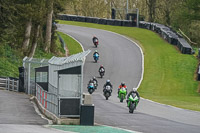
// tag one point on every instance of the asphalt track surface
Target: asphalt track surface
(122, 60)
(17, 115)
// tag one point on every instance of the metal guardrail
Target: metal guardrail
(9, 84)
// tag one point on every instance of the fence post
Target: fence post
(13, 85)
(8, 83)
(17, 85)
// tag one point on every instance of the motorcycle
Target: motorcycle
(96, 57)
(132, 102)
(96, 42)
(91, 88)
(95, 84)
(101, 72)
(107, 92)
(122, 94)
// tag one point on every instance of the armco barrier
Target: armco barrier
(97, 20)
(81, 18)
(172, 38)
(118, 22)
(165, 32)
(184, 47)
(110, 21)
(169, 35)
(102, 21)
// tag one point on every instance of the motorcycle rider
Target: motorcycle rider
(96, 52)
(91, 81)
(120, 86)
(131, 93)
(94, 38)
(107, 84)
(95, 80)
(101, 69)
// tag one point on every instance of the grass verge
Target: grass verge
(168, 74)
(72, 45)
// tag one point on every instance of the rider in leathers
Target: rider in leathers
(131, 93)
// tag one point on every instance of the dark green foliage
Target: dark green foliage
(14, 15)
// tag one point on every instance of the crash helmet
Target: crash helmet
(108, 81)
(96, 51)
(94, 78)
(123, 84)
(101, 66)
(134, 89)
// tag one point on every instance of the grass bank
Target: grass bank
(168, 74)
(72, 45)
(11, 59)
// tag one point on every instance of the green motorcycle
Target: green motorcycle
(122, 94)
(132, 102)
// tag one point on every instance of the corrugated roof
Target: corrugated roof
(73, 58)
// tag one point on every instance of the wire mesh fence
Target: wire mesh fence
(29, 65)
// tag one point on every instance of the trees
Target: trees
(48, 25)
(25, 23)
(151, 5)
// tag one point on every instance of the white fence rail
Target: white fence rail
(9, 83)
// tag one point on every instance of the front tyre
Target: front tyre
(90, 91)
(122, 98)
(107, 94)
(131, 107)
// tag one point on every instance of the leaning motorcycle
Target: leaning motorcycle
(132, 102)
(107, 91)
(122, 94)
(96, 57)
(91, 88)
(96, 42)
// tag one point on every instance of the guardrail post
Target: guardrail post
(17, 85)
(8, 83)
(13, 85)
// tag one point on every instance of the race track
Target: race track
(122, 60)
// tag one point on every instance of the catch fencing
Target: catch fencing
(57, 83)
(29, 65)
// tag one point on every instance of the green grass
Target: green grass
(169, 76)
(9, 62)
(72, 45)
(11, 59)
